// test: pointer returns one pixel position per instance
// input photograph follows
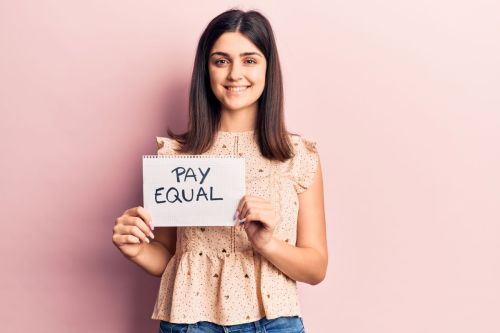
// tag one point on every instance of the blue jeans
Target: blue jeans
(293, 324)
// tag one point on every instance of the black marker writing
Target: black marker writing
(174, 195)
(189, 173)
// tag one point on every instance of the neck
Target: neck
(240, 120)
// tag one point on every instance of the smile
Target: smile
(236, 88)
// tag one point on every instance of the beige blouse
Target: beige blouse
(215, 275)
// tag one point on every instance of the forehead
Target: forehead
(234, 43)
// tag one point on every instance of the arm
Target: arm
(154, 256)
(308, 260)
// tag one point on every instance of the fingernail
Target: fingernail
(146, 240)
(235, 215)
(151, 225)
(151, 235)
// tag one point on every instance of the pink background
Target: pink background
(403, 99)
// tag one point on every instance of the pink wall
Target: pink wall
(402, 97)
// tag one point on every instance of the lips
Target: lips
(236, 88)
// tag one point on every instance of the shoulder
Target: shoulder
(304, 162)
(302, 144)
(166, 146)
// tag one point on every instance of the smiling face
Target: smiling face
(237, 70)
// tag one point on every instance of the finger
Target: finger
(244, 199)
(137, 221)
(123, 229)
(145, 215)
(134, 230)
(141, 212)
(243, 206)
(261, 217)
(252, 206)
(125, 239)
(240, 205)
(244, 203)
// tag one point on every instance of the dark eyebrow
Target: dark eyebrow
(241, 54)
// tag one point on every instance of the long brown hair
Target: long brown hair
(204, 108)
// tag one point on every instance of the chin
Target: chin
(236, 107)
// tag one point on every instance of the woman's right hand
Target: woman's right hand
(131, 231)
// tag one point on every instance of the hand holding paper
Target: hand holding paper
(131, 231)
(259, 219)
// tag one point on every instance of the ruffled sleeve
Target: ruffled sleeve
(305, 163)
(165, 146)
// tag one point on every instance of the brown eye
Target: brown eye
(217, 61)
(252, 60)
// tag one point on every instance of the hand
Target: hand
(259, 220)
(130, 229)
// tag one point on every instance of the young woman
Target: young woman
(240, 278)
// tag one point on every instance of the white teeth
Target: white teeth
(236, 88)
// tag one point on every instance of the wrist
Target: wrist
(134, 257)
(269, 247)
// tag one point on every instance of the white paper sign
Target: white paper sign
(192, 190)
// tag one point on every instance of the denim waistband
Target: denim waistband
(258, 326)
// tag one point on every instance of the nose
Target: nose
(235, 73)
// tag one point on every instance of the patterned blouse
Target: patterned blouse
(215, 275)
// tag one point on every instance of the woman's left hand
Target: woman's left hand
(259, 218)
